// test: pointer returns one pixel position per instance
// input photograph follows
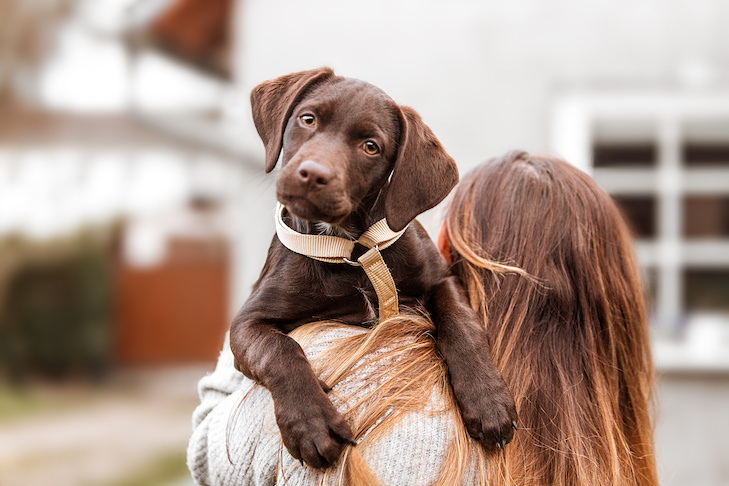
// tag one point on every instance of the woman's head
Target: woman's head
(551, 220)
(571, 337)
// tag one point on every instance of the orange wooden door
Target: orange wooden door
(175, 312)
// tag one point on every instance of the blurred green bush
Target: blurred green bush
(55, 309)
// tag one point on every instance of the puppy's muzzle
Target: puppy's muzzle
(313, 175)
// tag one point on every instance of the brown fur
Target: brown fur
(328, 177)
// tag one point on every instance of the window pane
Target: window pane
(640, 213)
(706, 216)
(624, 155)
(706, 154)
(706, 290)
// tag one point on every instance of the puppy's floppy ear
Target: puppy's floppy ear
(272, 103)
(424, 173)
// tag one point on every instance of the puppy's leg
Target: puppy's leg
(486, 405)
(311, 428)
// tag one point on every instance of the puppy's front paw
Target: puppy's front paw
(489, 413)
(312, 430)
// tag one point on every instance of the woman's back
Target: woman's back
(571, 340)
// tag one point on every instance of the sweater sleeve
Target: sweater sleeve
(235, 439)
(231, 407)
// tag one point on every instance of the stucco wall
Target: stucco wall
(483, 73)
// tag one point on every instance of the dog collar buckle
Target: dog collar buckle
(351, 262)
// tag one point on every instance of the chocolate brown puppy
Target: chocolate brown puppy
(351, 156)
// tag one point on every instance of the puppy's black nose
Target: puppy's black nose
(314, 174)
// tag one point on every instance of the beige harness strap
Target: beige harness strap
(333, 249)
(381, 278)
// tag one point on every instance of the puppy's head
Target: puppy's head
(342, 143)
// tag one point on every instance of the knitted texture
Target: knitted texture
(236, 441)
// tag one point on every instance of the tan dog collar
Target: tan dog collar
(334, 249)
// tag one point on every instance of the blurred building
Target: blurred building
(105, 151)
(129, 120)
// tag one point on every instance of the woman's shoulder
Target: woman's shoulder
(237, 440)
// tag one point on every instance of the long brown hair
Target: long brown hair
(571, 342)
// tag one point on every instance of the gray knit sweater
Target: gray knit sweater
(235, 439)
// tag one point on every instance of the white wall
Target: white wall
(484, 73)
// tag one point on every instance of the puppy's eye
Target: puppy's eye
(371, 148)
(307, 120)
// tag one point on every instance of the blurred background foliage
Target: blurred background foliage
(56, 312)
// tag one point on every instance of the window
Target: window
(625, 154)
(706, 216)
(640, 213)
(706, 290)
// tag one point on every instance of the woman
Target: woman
(565, 313)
